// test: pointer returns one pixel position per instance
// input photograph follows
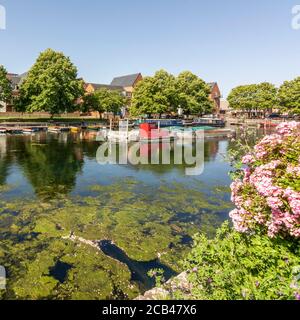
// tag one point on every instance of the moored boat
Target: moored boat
(212, 122)
(75, 129)
(57, 129)
(30, 130)
(162, 123)
(14, 131)
(94, 128)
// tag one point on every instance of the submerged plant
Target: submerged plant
(35, 238)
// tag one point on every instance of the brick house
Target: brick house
(215, 96)
(128, 83)
(92, 87)
(15, 80)
(124, 85)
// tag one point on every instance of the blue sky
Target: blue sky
(233, 42)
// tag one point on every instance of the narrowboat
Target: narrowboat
(212, 122)
(57, 129)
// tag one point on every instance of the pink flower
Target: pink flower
(247, 159)
(287, 128)
(260, 196)
(274, 202)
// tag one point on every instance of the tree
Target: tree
(266, 96)
(253, 97)
(51, 85)
(193, 94)
(110, 101)
(155, 95)
(289, 96)
(5, 86)
(242, 97)
(91, 103)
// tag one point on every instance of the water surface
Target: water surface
(51, 186)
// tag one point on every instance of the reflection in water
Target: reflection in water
(51, 186)
(51, 163)
(139, 269)
(60, 271)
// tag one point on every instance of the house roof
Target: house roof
(16, 79)
(98, 86)
(212, 84)
(23, 75)
(125, 81)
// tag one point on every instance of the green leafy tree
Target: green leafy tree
(110, 101)
(155, 95)
(91, 103)
(193, 94)
(258, 97)
(5, 86)
(242, 97)
(289, 96)
(51, 85)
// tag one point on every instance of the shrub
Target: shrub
(267, 193)
(260, 257)
(236, 266)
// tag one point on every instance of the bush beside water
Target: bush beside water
(260, 257)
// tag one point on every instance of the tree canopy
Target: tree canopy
(261, 96)
(289, 96)
(192, 94)
(166, 93)
(5, 86)
(91, 103)
(51, 85)
(104, 100)
(110, 101)
(154, 95)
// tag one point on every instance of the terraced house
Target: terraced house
(215, 96)
(16, 80)
(124, 84)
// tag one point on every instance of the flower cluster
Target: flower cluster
(268, 194)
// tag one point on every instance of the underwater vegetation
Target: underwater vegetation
(143, 225)
(129, 219)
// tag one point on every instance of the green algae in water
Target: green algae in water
(142, 227)
(144, 214)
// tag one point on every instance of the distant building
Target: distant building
(124, 85)
(92, 87)
(224, 107)
(128, 83)
(16, 81)
(215, 97)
